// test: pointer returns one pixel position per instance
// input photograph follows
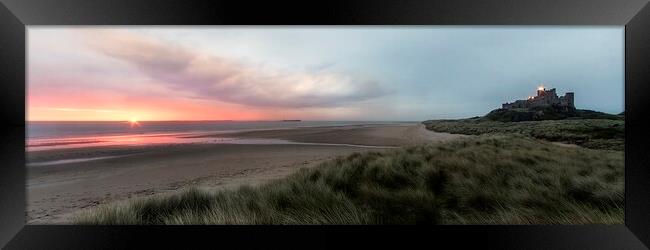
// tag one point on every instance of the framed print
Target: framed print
(513, 124)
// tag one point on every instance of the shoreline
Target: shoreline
(197, 136)
(82, 137)
(56, 192)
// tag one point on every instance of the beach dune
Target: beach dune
(117, 173)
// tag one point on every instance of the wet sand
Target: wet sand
(376, 135)
(117, 173)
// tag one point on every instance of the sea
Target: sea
(47, 135)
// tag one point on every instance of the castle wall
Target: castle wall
(567, 100)
(544, 98)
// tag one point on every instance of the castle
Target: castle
(545, 97)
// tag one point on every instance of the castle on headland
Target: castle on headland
(545, 97)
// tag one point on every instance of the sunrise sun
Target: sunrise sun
(134, 122)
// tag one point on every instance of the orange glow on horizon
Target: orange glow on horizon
(97, 105)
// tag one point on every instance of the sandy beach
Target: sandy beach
(116, 173)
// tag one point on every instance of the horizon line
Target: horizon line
(210, 120)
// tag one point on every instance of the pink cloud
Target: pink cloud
(203, 76)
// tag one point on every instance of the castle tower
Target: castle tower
(569, 99)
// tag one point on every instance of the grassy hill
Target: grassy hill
(586, 128)
(494, 179)
(547, 113)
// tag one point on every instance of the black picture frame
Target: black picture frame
(16, 15)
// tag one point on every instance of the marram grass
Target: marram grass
(589, 133)
(479, 180)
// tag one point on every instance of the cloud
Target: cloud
(320, 67)
(84, 110)
(205, 76)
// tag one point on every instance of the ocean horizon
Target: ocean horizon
(45, 135)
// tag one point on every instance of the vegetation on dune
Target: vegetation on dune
(589, 133)
(494, 179)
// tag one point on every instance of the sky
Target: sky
(361, 73)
